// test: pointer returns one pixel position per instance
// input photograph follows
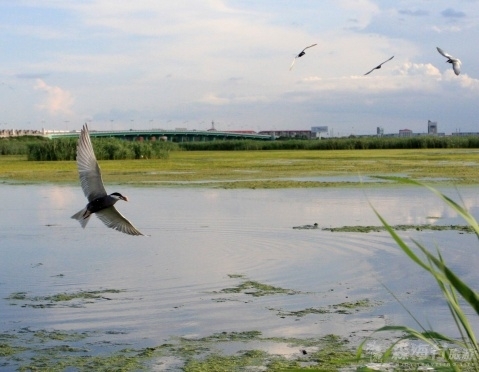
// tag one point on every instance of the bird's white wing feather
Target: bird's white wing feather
(309, 47)
(447, 55)
(88, 169)
(290, 67)
(115, 220)
(456, 66)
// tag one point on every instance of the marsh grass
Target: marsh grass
(353, 143)
(260, 169)
(18, 145)
(105, 149)
(456, 292)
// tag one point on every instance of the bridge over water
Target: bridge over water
(170, 135)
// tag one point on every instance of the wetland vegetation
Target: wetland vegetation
(41, 148)
(42, 349)
(262, 169)
(367, 229)
(70, 299)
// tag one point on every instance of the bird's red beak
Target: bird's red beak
(124, 198)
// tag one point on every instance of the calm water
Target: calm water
(171, 280)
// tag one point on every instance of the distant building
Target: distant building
(316, 131)
(289, 133)
(431, 127)
(405, 133)
(380, 131)
(19, 132)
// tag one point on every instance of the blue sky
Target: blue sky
(155, 64)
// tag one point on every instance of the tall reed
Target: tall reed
(105, 149)
(456, 292)
(18, 145)
(359, 143)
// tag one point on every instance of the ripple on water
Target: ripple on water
(203, 241)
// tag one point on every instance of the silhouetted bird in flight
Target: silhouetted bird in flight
(99, 202)
(456, 63)
(302, 53)
(378, 66)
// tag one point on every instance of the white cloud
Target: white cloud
(213, 99)
(224, 57)
(424, 69)
(57, 101)
(361, 10)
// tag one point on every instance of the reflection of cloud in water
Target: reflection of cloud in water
(200, 236)
(57, 203)
(58, 196)
(403, 205)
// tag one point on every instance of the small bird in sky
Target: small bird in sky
(99, 202)
(378, 66)
(456, 63)
(302, 53)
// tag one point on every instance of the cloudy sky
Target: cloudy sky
(121, 64)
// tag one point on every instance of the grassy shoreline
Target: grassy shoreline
(261, 169)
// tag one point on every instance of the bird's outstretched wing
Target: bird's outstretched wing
(309, 47)
(378, 66)
(115, 220)
(300, 54)
(456, 66)
(292, 64)
(447, 55)
(88, 169)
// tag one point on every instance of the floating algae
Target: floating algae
(342, 308)
(367, 229)
(257, 289)
(66, 299)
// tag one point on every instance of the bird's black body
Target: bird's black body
(101, 203)
(300, 54)
(378, 66)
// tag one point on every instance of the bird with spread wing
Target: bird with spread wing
(456, 63)
(99, 202)
(300, 54)
(378, 66)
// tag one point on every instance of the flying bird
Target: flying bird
(99, 202)
(456, 63)
(302, 53)
(378, 66)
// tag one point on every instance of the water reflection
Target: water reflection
(171, 281)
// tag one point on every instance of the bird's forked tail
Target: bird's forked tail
(82, 216)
